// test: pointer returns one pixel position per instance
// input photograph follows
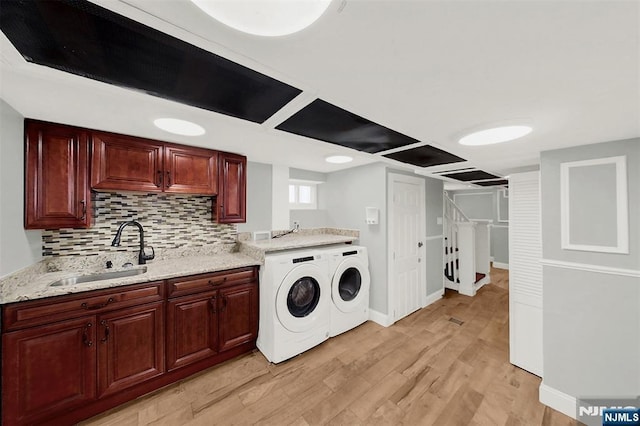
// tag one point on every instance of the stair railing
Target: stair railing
(459, 250)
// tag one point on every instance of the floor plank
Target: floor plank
(423, 370)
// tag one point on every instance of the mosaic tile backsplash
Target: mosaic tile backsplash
(170, 222)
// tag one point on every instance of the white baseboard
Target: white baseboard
(380, 318)
(500, 265)
(432, 298)
(451, 285)
(557, 400)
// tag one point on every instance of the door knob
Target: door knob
(420, 244)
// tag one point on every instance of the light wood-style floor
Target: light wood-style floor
(424, 370)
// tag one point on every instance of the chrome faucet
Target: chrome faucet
(142, 257)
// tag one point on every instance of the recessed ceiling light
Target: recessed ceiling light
(339, 159)
(179, 127)
(495, 135)
(266, 17)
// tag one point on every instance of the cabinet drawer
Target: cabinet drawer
(204, 282)
(27, 314)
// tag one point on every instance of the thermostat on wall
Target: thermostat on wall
(372, 215)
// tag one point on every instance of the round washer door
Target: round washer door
(302, 300)
(350, 285)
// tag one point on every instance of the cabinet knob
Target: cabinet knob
(212, 303)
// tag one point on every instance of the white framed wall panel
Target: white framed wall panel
(594, 205)
(525, 272)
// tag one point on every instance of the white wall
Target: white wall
(348, 192)
(280, 194)
(18, 248)
(259, 198)
(591, 300)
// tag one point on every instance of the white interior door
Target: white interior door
(407, 274)
(525, 272)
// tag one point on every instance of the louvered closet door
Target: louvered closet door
(525, 272)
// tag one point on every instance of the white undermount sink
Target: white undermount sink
(77, 279)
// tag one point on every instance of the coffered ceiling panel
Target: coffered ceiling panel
(492, 182)
(425, 156)
(469, 176)
(82, 38)
(326, 122)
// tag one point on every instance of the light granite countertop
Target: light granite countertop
(293, 241)
(38, 286)
(35, 282)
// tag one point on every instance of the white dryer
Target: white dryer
(294, 303)
(350, 284)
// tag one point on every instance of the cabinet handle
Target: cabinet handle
(212, 302)
(168, 179)
(84, 210)
(98, 306)
(106, 331)
(85, 338)
(159, 184)
(224, 304)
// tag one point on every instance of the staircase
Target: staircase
(466, 250)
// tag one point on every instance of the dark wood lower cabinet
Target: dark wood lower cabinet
(238, 307)
(47, 370)
(192, 329)
(130, 344)
(92, 357)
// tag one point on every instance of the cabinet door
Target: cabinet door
(232, 191)
(130, 347)
(48, 370)
(56, 186)
(190, 170)
(238, 315)
(125, 163)
(192, 329)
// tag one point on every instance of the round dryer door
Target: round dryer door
(301, 298)
(350, 285)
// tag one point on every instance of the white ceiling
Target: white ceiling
(432, 70)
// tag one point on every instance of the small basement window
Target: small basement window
(303, 195)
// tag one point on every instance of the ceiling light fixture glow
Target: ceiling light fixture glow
(266, 17)
(339, 159)
(495, 135)
(179, 127)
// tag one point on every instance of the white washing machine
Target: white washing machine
(294, 303)
(350, 284)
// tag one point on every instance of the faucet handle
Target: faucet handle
(148, 256)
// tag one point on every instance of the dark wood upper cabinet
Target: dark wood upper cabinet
(231, 202)
(190, 170)
(135, 164)
(57, 193)
(126, 163)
